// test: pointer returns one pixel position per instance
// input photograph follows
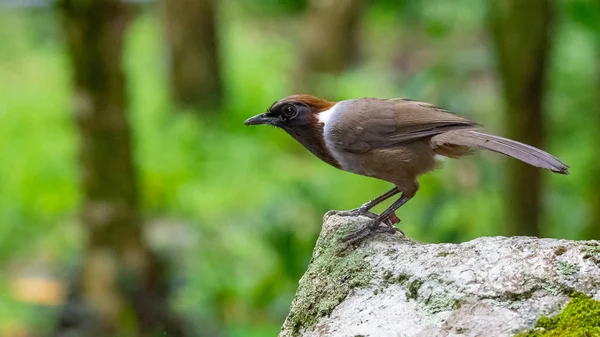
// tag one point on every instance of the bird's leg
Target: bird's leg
(374, 225)
(389, 212)
(369, 205)
(366, 207)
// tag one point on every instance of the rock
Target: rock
(389, 285)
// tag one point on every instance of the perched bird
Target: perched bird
(395, 140)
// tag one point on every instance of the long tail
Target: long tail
(446, 143)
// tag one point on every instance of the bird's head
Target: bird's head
(292, 111)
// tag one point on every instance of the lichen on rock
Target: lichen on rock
(567, 268)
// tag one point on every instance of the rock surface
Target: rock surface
(389, 285)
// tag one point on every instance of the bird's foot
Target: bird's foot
(363, 210)
(373, 226)
(357, 212)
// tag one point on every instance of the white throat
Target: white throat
(326, 117)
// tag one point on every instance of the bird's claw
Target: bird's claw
(361, 211)
(372, 226)
(357, 212)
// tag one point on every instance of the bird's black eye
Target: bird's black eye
(289, 111)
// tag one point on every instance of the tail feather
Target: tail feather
(477, 140)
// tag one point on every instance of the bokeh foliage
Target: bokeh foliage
(238, 209)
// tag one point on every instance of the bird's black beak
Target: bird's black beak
(259, 119)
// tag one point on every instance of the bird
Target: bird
(395, 140)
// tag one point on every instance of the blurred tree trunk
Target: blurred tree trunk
(194, 63)
(121, 289)
(521, 32)
(594, 226)
(330, 40)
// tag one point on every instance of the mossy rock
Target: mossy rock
(346, 269)
(580, 318)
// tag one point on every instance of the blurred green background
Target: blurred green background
(235, 211)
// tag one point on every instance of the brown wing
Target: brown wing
(393, 122)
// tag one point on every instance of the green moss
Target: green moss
(389, 278)
(387, 275)
(413, 290)
(581, 317)
(401, 278)
(443, 254)
(461, 330)
(345, 269)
